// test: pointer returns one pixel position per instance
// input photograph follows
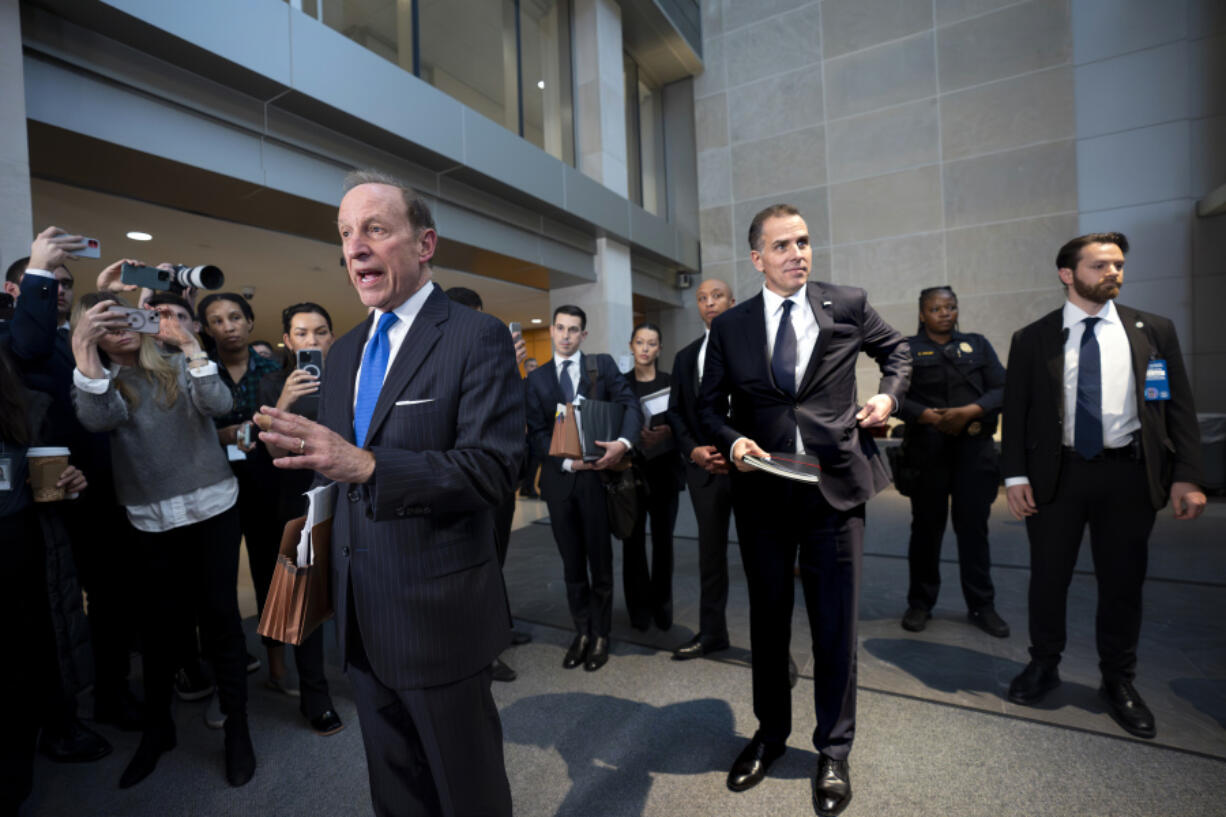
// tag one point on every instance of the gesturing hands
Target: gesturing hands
(875, 411)
(314, 447)
(53, 247)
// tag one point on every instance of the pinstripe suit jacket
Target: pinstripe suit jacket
(415, 544)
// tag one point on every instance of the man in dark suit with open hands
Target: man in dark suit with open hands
(421, 426)
(784, 363)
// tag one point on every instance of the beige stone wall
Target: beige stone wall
(925, 142)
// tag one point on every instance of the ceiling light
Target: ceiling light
(136, 235)
(537, 320)
(541, 84)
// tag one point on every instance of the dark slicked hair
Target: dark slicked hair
(16, 270)
(466, 297)
(232, 297)
(415, 206)
(755, 226)
(1070, 254)
(287, 314)
(571, 309)
(171, 299)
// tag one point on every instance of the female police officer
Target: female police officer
(957, 385)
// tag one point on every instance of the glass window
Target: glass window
(644, 140)
(383, 26)
(468, 51)
(544, 35)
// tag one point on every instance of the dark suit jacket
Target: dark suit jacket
(417, 540)
(738, 368)
(683, 409)
(543, 396)
(44, 358)
(1034, 406)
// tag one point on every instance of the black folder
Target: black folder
(598, 420)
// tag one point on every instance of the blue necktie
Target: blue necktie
(1088, 421)
(374, 364)
(568, 388)
(783, 361)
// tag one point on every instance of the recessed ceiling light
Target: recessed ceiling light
(537, 320)
(541, 84)
(137, 235)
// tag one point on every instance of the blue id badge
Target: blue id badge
(1157, 387)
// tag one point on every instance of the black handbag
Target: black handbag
(624, 490)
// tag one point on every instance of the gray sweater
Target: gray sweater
(159, 453)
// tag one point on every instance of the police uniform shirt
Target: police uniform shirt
(966, 370)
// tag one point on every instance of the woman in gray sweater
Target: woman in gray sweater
(173, 480)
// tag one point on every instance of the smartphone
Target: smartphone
(516, 329)
(93, 249)
(311, 361)
(244, 435)
(145, 321)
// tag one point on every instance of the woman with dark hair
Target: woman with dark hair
(308, 327)
(957, 387)
(179, 494)
(649, 591)
(227, 319)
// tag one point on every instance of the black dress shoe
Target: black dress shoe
(753, 763)
(698, 646)
(240, 754)
(329, 723)
(988, 620)
(598, 655)
(1125, 705)
(74, 744)
(1033, 683)
(152, 744)
(501, 672)
(664, 616)
(831, 786)
(915, 619)
(577, 652)
(519, 637)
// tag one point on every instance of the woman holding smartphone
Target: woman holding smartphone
(308, 330)
(179, 494)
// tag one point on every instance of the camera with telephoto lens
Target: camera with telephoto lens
(175, 280)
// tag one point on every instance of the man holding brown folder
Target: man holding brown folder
(421, 427)
(572, 487)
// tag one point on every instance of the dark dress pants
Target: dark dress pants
(188, 574)
(1111, 496)
(711, 495)
(580, 525)
(776, 520)
(259, 500)
(431, 751)
(651, 589)
(959, 478)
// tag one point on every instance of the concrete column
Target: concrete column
(600, 93)
(610, 317)
(17, 227)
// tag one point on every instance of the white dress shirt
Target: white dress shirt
(702, 354)
(396, 333)
(804, 324)
(1119, 396)
(573, 372)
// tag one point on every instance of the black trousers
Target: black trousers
(259, 499)
(1111, 497)
(959, 477)
(188, 574)
(431, 751)
(650, 589)
(778, 519)
(580, 525)
(712, 500)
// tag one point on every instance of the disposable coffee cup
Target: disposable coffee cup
(46, 466)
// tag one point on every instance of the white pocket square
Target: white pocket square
(414, 402)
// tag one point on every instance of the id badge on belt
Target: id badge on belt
(1157, 386)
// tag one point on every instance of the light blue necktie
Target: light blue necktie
(374, 364)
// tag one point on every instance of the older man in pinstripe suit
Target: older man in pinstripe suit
(421, 425)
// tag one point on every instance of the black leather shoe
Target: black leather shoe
(831, 786)
(698, 646)
(598, 656)
(520, 637)
(240, 754)
(577, 652)
(1033, 683)
(329, 723)
(501, 672)
(75, 744)
(664, 616)
(793, 672)
(753, 763)
(152, 744)
(988, 620)
(1125, 705)
(915, 619)
(123, 712)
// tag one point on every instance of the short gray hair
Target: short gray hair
(414, 205)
